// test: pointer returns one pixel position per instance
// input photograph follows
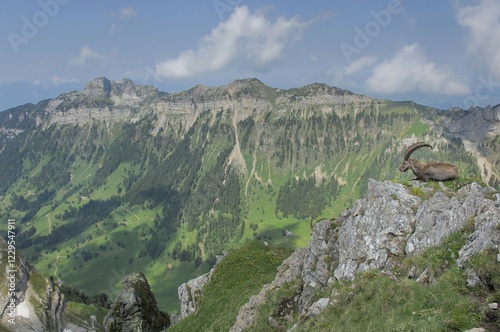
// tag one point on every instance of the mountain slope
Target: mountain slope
(119, 178)
(384, 264)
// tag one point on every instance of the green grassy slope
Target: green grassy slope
(238, 276)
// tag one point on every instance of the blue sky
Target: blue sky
(441, 53)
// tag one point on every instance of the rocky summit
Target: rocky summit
(135, 308)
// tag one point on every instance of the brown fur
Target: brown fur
(426, 171)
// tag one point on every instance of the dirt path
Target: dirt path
(50, 224)
(109, 240)
(135, 215)
(55, 265)
(283, 242)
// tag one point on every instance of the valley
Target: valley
(120, 178)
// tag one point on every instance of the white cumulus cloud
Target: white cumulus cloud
(88, 56)
(243, 34)
(56, 80)
(360, 64)
(411, 71)
(483, 22)
(125, 13)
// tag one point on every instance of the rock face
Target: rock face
(38, 304)
(474, 124)
(135, 308)
(53, 311)
(98, 88)
(390, 222)
(190, 292)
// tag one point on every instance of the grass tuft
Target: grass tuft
(374, 302)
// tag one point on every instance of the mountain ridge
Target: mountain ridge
(106, 94)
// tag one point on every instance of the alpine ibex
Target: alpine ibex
(427, 171)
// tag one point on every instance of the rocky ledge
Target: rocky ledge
(391, 222)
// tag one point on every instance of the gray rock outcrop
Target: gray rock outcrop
(30, 302)
(474, 124)
(190, 292)
(98, 88)
(135, 308)
(390, 222)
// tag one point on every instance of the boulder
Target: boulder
(135, 308)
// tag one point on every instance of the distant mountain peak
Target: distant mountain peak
(247, 81)
(322, 89)
(98, 87)
(252, 88)
(102, 87)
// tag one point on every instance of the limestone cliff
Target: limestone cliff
(124, 101)
(478, 129)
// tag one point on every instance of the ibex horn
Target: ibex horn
(414, 147)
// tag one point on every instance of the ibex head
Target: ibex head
(406, 165)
